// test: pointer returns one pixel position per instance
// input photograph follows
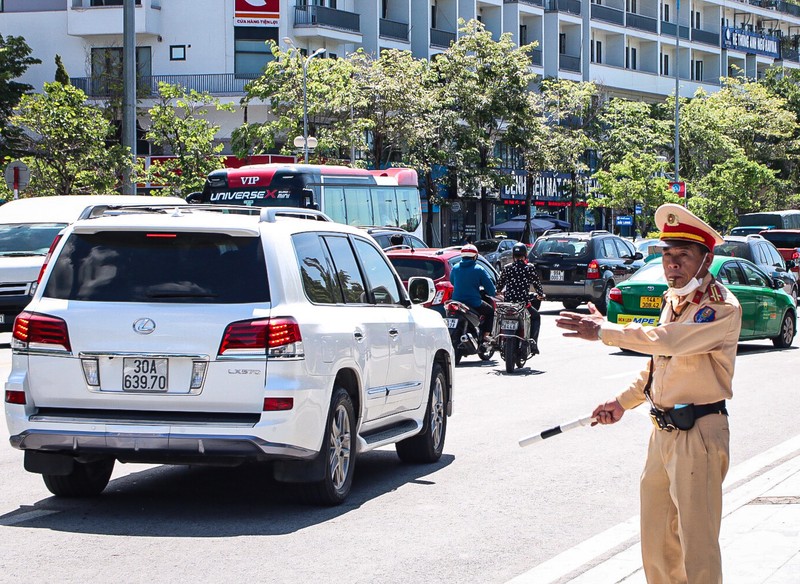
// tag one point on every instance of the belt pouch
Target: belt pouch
(682, 416)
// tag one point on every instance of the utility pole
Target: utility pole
(129, 90)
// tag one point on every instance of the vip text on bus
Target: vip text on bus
(364, 198)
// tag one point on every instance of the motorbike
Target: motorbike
(512, 332)
(464, 325)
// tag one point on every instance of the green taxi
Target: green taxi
(767, 311)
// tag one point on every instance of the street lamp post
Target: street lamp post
(319, 51)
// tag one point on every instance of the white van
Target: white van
(28, 227)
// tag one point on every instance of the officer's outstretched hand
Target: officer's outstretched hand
(608, 413)
(584, 326)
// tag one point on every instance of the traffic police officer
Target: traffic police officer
(686, 383)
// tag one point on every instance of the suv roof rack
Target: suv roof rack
(271, 214)
(599, 232)
(552, 231)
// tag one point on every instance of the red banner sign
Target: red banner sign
(256, 13)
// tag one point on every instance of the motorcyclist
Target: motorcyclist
(515, 284)
(467, 277)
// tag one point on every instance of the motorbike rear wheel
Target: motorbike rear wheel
(510, 354)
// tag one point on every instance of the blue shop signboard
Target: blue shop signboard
(739, 39)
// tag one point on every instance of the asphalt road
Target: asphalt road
(487, 512)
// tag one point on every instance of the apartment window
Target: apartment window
(562, 43)
(630, 58)
(384, 8)
(597, 51)
(697, 70)
(177, 52)
(251, 54)
(695, 19)
(523, 34)
(597, 2)
(107, 68)
(666, 13)
(632, 6)
(433, 15)
(664, 64)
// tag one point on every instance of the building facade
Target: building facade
(631, 48)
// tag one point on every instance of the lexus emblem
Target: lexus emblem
(144, 326)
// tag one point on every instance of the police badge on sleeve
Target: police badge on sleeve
(705, 314)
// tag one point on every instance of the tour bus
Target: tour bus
(380, 198)
(789, 219)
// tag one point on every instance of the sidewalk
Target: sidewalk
(760, 536)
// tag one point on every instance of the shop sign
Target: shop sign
(256, 13)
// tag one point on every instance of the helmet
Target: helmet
(520, 250)
(469, 251)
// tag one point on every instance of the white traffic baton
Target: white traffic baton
(587, 421)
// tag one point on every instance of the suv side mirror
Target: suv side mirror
(777, 283)
(421, 290)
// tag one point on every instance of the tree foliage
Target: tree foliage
(178, 125)
(15, 60)
(65, 143)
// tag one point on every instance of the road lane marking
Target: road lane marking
(600, 552)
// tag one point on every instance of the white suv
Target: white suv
(199, 336)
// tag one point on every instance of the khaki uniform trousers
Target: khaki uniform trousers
(681, 503)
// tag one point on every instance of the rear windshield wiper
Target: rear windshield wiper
(181, 295)
(21, 254)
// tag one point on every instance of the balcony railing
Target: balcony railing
(442, 38)
(790, 55)
(393, 30)
(311, 15)
(569, 63)
(640, 22)
(607, 14)
(787, 7)
(668, 29)
(704, 36)
(530, 2)
(536, 57)
(147, 86)
(571, 6)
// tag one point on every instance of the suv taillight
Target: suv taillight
(592, 270)
(615, 294)
(53, 245)
(444, 291)
(31, 328)
(278, 337)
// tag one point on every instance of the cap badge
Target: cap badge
(672, 219)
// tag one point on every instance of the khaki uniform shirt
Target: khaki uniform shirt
(693, 348)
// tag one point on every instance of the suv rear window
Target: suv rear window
(566, 247)
(734, 249)
(410, 267)
(210, 268)
(782, 239)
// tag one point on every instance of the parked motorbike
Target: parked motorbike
(512, 333)
(464, 324)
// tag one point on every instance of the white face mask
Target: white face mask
(690, 286)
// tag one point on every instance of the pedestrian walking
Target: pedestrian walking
(686, 383)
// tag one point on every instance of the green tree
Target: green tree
(730, 189)
(486, 83)
(572, 108)
(178, 124)
(61, 72)
(637, 179)
(65, 143)
(14, 62)
(630, 126)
